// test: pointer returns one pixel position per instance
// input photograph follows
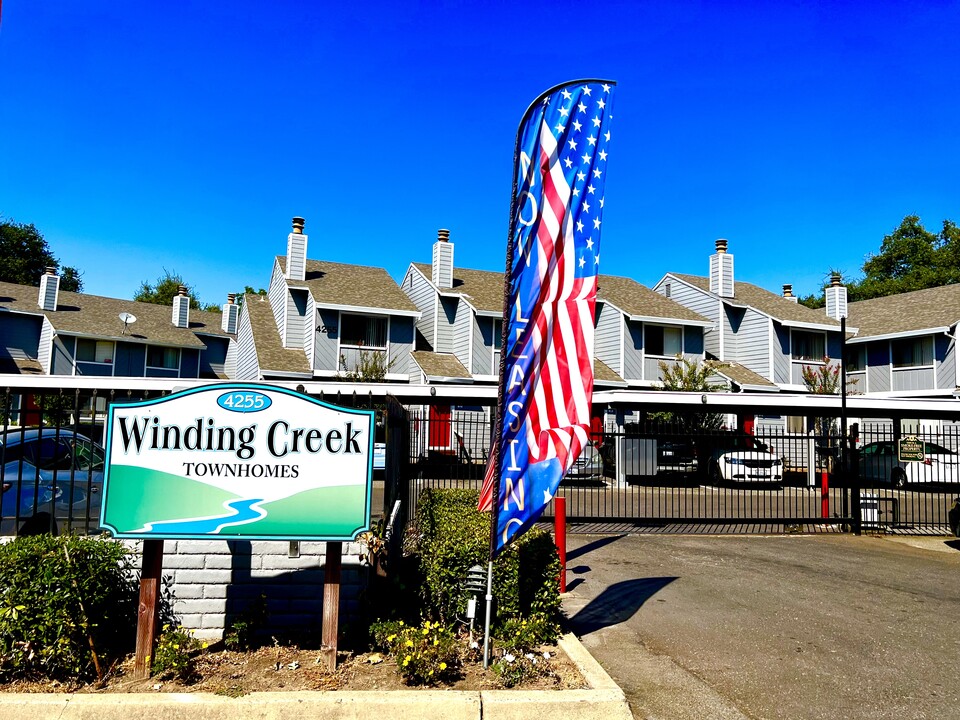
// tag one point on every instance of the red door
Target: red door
(440, 426)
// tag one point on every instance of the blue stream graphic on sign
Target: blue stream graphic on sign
(243, 512)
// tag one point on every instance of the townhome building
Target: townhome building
(906, 344)
(47, 331)
(325, 320)
(760, 337)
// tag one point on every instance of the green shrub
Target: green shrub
(174, 655)
(425, 655)
(243, 633)
(68, 606)
(453, 536)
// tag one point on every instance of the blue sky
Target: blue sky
(185, 135)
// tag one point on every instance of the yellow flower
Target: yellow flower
(391, 638)
(406, 661)
(426, 631)
(436, 642)
(443, 666)
(409, 643)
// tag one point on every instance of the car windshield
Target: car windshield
(87, 455)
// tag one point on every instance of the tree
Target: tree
(25, 256)
(825, 379)
(910, 258)
(688, 376)
(165, 289)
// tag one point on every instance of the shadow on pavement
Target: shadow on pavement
(596, 544)
(617, 604)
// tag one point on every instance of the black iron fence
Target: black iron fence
(769, 479)
(891, 476)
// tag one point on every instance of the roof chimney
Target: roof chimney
(442, 270)
(49, 290)
(231, 311)
(836, 294)
(721, 271)
(297, 251)
(788, 292)
(181, 308)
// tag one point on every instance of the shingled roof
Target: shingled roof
(272, 356)
(740, 375)
(440, 365)
(96, 316)
(915, 311)
(769, 303)
(481, 288)
(360, 286)
(640, 301)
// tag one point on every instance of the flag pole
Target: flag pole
(504, 336)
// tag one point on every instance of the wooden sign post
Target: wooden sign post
(148, 612)
(331, 603)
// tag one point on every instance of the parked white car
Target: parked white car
(753, 465)
(879, 463)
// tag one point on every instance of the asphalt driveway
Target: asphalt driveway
(827, 626)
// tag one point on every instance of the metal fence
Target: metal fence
(668, 476)
(648, 475)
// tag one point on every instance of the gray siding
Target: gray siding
(781, 355)
(278, 300)
(247, 367)
(911, 379)
(45, 348)
(230, 362)
(730, 326)
(296, 312)
(700, 302)
(632, 350)
(462, 334)
(310, 330)
(753, 343)
(422, 294)
(878, 367)
(448, 316)
(325, 342)
(607, 336)
(483, 346)
(944, 349)
(63, 354)
(401, 344)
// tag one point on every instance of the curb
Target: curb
(603, 700)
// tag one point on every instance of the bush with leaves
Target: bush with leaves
(68, 607)
(175, 653)
(453, 536)
(425, 654)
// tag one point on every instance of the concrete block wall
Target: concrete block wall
(214, 581)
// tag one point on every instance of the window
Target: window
(856, 358)
(161, 357)
(369, 331)
(913, 352)
(809, 346)
(497, 333)
(660, 340)
(94, 351)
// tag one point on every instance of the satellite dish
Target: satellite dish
(127, 319)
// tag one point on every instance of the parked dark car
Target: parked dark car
(880, 463)
(46, 470)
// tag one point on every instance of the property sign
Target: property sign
(237, 461)
(910, 449)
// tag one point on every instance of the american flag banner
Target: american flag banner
(546, 382)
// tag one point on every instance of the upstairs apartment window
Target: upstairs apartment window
(810, 346)
(97, 351)
(161, 357)
(856, 358)
(912, 352)
(369, 331)
(666, 341)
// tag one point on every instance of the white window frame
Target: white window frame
(807, 361)
(928, 341)
(665, 328)
(97, 344)
(148, 366)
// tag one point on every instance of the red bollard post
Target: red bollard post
(560, 537)
(824, 496)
